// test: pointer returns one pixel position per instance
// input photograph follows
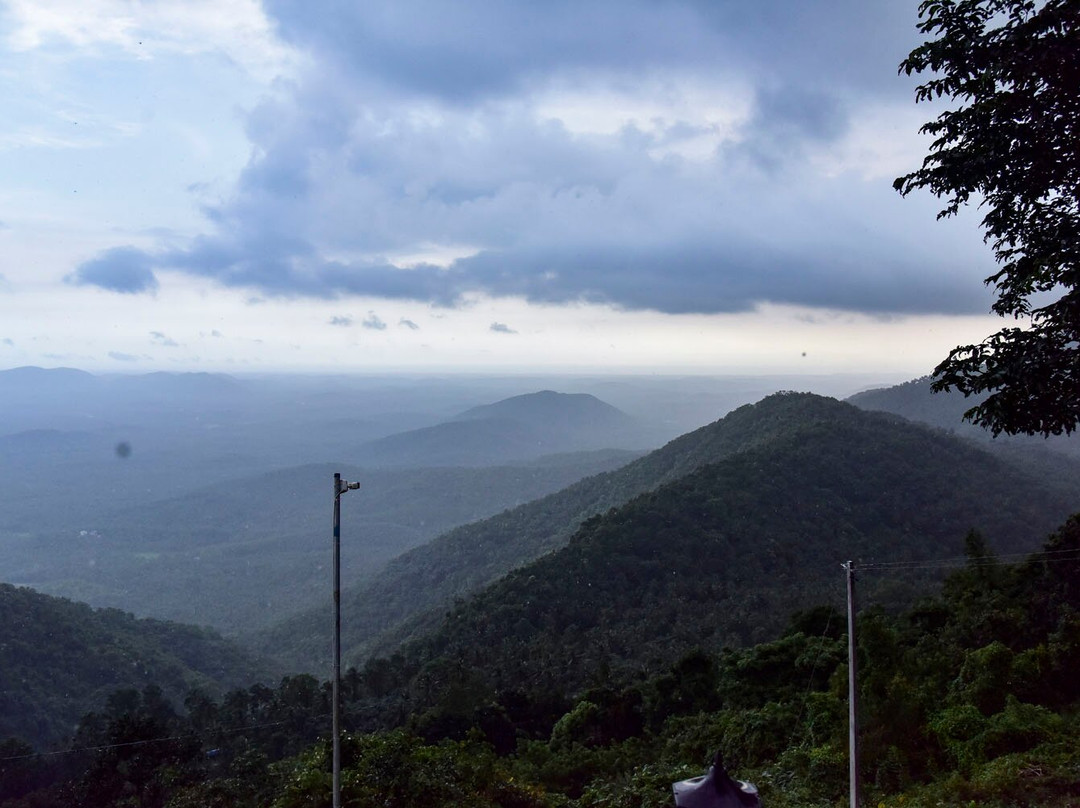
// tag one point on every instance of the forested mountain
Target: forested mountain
(60, 659)
(916, 401)
(723, 555)
(969, 698)
(601, 672)
(515, 429)
(413, 591)
(242, 554)
(410, 592)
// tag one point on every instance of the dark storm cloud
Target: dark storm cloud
(127, 270)
(462, 51)
(465, 51)
(709, 278)
(420, 123)
(752, 258)
(851, 44)
(788, 120)
(261, 256)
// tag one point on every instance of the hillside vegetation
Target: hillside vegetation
(660, 631)
(721, 557)
(926, 480)
(60, 659)
(969, 698)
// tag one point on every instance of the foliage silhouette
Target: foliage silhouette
(1013, 144)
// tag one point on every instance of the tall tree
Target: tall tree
(1012, 143)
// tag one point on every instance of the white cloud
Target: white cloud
(236, 29)
(163, 340)
(373, 322)
(686, 114)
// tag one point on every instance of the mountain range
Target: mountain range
(711, 541)
(888, 489)
(155, 506)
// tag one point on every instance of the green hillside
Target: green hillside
(411, 595)
(969, 698)
(60, 659)
(722, 556)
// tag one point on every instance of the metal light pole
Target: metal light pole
(340, 487)
(853, 694)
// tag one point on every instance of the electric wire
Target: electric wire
(162, 739)
(1047, 556)
(797, 724)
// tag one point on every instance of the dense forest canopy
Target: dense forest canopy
(59, 659)
(955, 484)
(968, 698)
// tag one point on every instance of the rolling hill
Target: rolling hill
(412, 593)
(60, 659)
(723, 555)
(516, 429)
(574, 413)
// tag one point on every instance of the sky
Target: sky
(686, 186)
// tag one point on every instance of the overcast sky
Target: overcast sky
(683, 185)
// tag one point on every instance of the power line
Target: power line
(163, 739)
(1048, 556)
(797, 726)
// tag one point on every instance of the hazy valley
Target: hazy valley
(507, 556)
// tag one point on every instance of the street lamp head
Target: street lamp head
(341, 486)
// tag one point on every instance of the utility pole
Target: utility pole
(340, 487)
(853, 696)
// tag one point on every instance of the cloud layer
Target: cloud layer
(679, 156)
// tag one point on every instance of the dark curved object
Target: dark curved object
(715, 789)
